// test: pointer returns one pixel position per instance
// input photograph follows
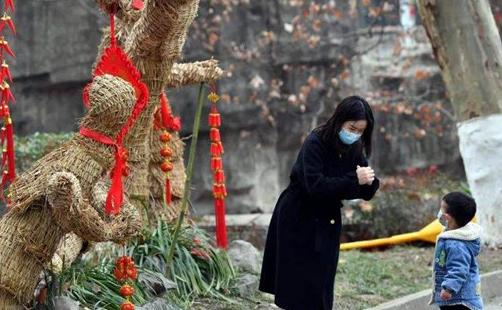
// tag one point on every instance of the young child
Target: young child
(456, 272)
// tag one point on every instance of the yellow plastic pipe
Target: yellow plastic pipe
(428, 234)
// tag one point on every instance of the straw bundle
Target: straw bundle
(64, 192)
(194, 73)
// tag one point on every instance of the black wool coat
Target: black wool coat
(303, 241)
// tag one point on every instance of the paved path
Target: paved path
(494, 304)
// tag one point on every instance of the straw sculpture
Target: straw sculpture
(163, 26)
(64, 192)
(153, 38)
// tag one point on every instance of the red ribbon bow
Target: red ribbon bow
(116, 193)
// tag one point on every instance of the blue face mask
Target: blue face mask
(441, 220)
(348, 137)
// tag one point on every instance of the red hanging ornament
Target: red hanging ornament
(5, 72)
(169, 195)
(216, 149)
(219, 188)
(9, 5)
(4, 46)
(166, 166)
(221, 231)
(115, 62)
(85, 96)
(166, 121)
(7, 95)
(126, 290)
(6, 20)
(219, 176)
(8, 154)
(214, 118)
(169, 121)
(165, 137)
(137, 4)
(216, 163)
(127, 306)
(214, 135)
(125, 269)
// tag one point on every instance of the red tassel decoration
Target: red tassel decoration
(219, 176)
(9, 5)
(4, 46)
(85, 96)
(6, 93)
(138, 4)
(8, 156)
(219, 188)
(6, 20)
(165, 121)
(169, 195)
(216, 163)
(5, 72)
(214, 118)
(214, 135)
(7, 131)
(216, 149)
(221, 227)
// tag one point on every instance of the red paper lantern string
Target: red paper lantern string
(166, 122)
(138, 4)
(126, 272)
(6, 97)
(9, 5)
(219, 188)
(6, 20)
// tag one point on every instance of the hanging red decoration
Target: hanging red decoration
(165, 121)
(7, 96)
(115, 62)
(4, 47)
(137, 4)
(6, 20)
(7, 131)
(5, 72)
(126, 272)
(9, 5)
(219, 188)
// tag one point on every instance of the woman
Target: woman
(301, 253)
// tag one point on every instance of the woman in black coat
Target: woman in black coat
(303, 241)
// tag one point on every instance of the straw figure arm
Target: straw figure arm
(76, 214)
(184, 74)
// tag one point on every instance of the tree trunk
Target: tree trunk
(468, 48)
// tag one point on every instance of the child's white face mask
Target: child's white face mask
(442, 221)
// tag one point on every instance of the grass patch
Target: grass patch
(366, 279)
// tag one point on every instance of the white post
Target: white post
(481, 150)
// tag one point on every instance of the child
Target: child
(456, 272)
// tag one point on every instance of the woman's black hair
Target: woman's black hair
(353, 108)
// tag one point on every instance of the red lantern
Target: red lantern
(214, 135)
(216, 149)
(126, 290)
(166, 166)
(214, 119)
(219, 176)
(216, 163)
(166, 152)
(127, 306)
(165, 137)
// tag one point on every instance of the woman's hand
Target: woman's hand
(365, 175)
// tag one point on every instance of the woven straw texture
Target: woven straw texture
(64, 192)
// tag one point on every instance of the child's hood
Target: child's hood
(471, 233)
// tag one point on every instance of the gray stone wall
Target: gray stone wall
(286, 74)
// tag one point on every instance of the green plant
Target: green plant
(33, 147)
(198, 270)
